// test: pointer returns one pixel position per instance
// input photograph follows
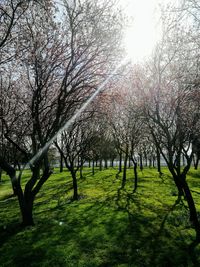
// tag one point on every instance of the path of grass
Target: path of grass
(108, 226)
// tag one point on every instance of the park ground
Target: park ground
(108, 225)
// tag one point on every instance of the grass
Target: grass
(108, 226)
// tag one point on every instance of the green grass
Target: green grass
(108, 226)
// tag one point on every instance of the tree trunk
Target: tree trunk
(81, 169)
(92, 167)
(135, 175)
(196, 163)
(153, 161)
(125, 168)
(4, 165)
(100, 164)
(26, 199)
(112, 163)
(26, 205)
(146, 161)
(81, 172)
(179, 186)
(89, 163)
(141, 163)
(61, 162)
(158, 161)
(183, 159)
(120, 162)
(106, 163)
(0, 174)
(193, 213)
(27, 212)
(129, 162)
(75, 186)
(150, 162)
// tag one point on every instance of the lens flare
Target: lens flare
(77, 114)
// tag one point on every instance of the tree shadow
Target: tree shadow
(8, 231)
(161, 228)
(192, 252)
(109, 231)
(157, 236)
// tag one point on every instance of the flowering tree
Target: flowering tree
(171, 108)
(57, 66)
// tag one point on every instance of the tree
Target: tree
(57, 68)
(171, 108)
(196, 150)
(10, 13)
(76, 142)
(126, 123)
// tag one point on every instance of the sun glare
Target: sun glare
(143, 31)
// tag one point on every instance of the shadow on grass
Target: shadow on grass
(94, 234)
(114, 230)
(7, 197)
(176, 253)
(8, 231)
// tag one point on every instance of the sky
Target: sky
(144, 29)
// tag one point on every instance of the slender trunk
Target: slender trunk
(106, 163)
(81, 172)
(0, 174)
(120, 162)
(97, 163)
(141, 163)
(150, 162)
(100, 164)
(125, 168)
(129, 162)
(81, 169)
(75, 186)
(89, 163)
(153, 162)
(92, 167)
(12, 173)
(120, 165)
(61, 162)
(135, 175)
(193, 213)
(112, 163)
(158, 161)
(196, 163)
(183, 158)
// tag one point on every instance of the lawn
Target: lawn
(108, 226)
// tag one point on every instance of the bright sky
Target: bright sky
(144, 30)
